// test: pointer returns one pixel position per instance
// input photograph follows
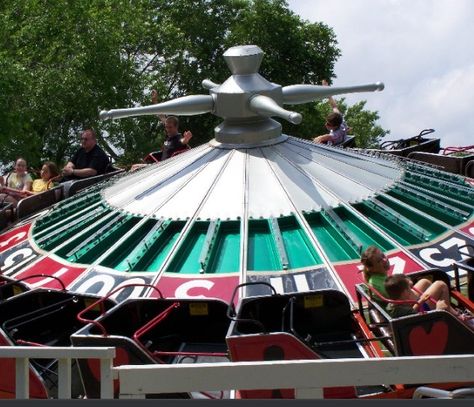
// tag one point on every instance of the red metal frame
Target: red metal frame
(454, 149)
(101, 301)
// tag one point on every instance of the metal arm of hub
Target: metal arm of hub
(186, 106)
(246, 101)
(298, 94)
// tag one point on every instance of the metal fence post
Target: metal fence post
(22, 379)
(64, 378)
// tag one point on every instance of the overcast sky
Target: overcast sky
(423, 51)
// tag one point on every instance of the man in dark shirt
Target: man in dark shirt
(88, 161)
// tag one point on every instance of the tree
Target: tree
(63, 61)
(71, 61)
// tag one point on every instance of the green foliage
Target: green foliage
(363, 123)
(62, 61)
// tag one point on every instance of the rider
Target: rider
(175, 141)
(435, 297)
(335, 123)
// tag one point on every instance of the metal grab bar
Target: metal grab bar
(22, 342)
(231, 310)
(168, 353)
(101, 300)
(152, 323)
(390, 301)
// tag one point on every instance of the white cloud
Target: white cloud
(420, 49)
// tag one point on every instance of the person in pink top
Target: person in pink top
(335, 124)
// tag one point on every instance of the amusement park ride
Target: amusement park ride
(245, 248)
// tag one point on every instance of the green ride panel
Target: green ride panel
(66, 208)
(186, 260)
(99, 244)
(298, 248)
(389, 223)
(129, 253)
(73, 234)
(262, 253)
(444, 214)
(434, 229)
(364, 232)
(444, 189)
(156, 254)
(225, 256)
(333, 243)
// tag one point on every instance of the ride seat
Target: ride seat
(155, 156)
(349, 142)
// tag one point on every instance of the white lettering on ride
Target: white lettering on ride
(17, 257)
(277, 284)
(183, 289)
(13, 238)
(47, 280)
(105, 280)
(136, 290)
(428, 253)
(454, 241)
(398, 264)
(301, 282)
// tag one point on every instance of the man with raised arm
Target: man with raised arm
(174, 141)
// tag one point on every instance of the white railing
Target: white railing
(307, 377)
(64, 355)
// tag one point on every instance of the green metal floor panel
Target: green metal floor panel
(186, 260)
(433, 228)
(332, 242)
(364, 233)
(94, 222)
(446, 215)
(65, 209)
(393, 229)
(262, 252)
(157, 253)
(161, 254)
(226, 252)
(444, 189)
(71, 229)
(297, 246)
(125, 256)
(97, 247)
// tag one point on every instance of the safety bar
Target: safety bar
(422, 133)
(231, 310)
(452, 149)
(289, 306)
(348, 341)
(153, 322)
(101, 300)
(390, 301)
(22, 342)
(165, 353)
